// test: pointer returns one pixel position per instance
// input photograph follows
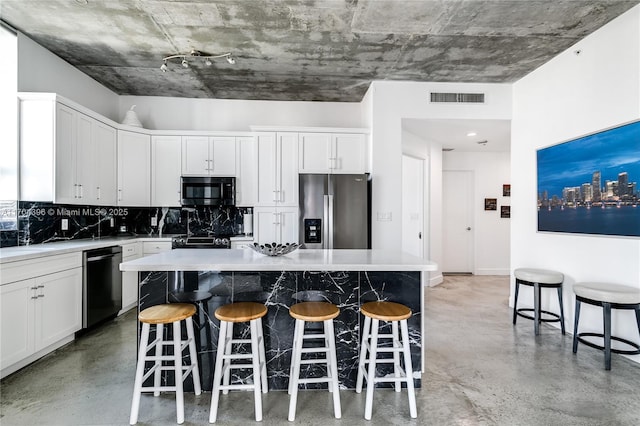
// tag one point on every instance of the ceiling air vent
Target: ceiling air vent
(473, 98)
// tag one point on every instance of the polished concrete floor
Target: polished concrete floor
(481, 370)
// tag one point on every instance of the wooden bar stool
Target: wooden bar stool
(314, 312)
(395, 313)
(608, 296)
(538, 279)
(172, 313)
(229, 315)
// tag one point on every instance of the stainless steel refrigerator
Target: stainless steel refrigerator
(335, 211)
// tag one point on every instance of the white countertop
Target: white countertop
(33, 251)
(299, 260)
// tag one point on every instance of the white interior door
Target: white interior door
(413, 205)
(457, 218)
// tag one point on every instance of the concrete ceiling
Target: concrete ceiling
(320, 50)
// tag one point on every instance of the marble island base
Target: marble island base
(278, 291)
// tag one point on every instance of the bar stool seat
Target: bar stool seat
(229, 315)
(395, 313)
(538, 279)
(303, 313)
(159, 315)
(608, 296)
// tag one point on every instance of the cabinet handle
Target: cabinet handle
(81, 191)
(75, 190)
(332, 163)
(39, 296)
(275, 196)
(119, 194)
(98, 188)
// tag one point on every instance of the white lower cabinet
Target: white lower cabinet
(130, 251)
(37, 313)
(153, 247)
(275, 225)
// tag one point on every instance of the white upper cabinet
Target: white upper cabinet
(66, 156)
(277, 169)
(106, 159)
(165, 171)
(134, 169)
(337, 153)
(208, 156)
(246, 171)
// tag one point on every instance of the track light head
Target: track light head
(208, 62)
(231, 60)
(184, 62)
(163, 67)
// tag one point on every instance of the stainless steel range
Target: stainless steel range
(183, 241)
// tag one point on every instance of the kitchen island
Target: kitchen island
(347, 278)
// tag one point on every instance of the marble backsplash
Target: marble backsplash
(42, 222)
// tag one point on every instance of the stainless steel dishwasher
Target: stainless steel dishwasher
(101, 285)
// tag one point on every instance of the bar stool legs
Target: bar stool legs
(394, 313)
(160, 315)
(228, 315)
(314, 312)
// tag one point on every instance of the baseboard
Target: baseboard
(492, 271)
(434, 281)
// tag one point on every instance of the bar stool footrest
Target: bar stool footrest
(581, 339)
(521, 312)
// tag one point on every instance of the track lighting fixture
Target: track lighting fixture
(207, 59)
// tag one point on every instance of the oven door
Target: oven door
(208, 191)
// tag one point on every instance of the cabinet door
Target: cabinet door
(106, 160)
(265, 229)
(17, 321)
(315, 153)
(287, 170)
(246, 172)
(134, 169)
(85, 160)
(58, 307)
(349, 153)
(223, 156)
(288, 222)
(195, 156)
(165, 171)
(266, 193)
(65, 152)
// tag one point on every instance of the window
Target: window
(9, 126)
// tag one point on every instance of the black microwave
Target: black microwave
(208, 191)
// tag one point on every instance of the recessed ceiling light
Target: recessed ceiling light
(470, 134)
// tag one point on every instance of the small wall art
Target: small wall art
(491, 204)
(506, 190)
(505, 212)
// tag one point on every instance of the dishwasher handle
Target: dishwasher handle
(97, 258)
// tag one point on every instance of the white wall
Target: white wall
(570, 96)
(419, 147)
(39, 70)
(8, 117)
(491, 232)
(390, 103)
(156, 112)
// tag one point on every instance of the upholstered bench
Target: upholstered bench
(609, 296)
(538, 279)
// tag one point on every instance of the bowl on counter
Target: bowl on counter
(274, 249)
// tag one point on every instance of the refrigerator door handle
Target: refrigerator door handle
(330, 217)
(325, 226)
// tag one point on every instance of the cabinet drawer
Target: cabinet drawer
(25, 269)
(155, 247)
(131, 249)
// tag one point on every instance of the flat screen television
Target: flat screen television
(589, 185)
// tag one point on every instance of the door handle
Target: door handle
(419, 235)
(468, 228)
